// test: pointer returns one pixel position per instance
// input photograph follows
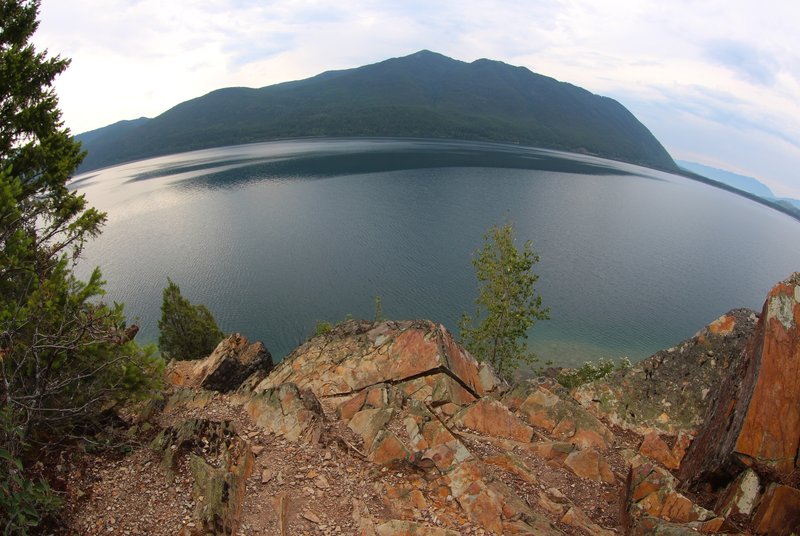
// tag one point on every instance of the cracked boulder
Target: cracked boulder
(233, 361)
(741, 495)
(356, 355)
(432, 443)
(778, 512)
(655, 448)
(589, 464)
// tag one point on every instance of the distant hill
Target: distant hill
(749, 187)
(424, 95)
(742, 182)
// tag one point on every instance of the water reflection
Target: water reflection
(273, 237)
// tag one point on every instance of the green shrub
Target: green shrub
(322, 328)
(187, 331)
(507, 305)
(590, 372)
(24, 503)
(65, 356)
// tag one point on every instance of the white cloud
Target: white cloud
(728, 67)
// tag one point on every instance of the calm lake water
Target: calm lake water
(273, 237)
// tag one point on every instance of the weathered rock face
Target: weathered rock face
(770, 432)
(755, 419)
(653, 495)
(287, 412)
(397, 527)
(357, 355)
(544, 403)
(494, 419)
(656, 449)
(403, 388)
(779, 511)
(233, 361)
(741, 496)
(671, 390)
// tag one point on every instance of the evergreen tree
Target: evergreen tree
(64, 356)
(187, 331)
(507, 305)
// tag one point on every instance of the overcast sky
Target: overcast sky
(717, 82)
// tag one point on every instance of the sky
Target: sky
(717, 82)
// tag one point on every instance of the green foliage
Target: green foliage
(379, 309)
(64, 355)
(589, 372)
(507, 305)
(187, 331)
(24, 502)
(322, 327)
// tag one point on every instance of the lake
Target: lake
(274, 237)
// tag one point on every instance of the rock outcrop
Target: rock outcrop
(546, 404)
(406, 397)
(751, 435)
(671, 390)
(755, 419)
(233, 361)
(652, 494)
(392, 429)
(421, 355)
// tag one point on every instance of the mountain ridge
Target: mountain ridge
(423, 95)
(743, 185)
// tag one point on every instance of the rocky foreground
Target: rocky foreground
(394, 429)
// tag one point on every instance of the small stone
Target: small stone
(266, 476)
(311, 516)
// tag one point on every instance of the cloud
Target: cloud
(745, 60)
(728, 110)
(733, 64)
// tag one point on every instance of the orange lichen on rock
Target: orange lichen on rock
(654, 448)
(770, 433)
(722, 325)
(493, 418)
(779, 511)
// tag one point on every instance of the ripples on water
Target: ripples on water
(275, 236)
